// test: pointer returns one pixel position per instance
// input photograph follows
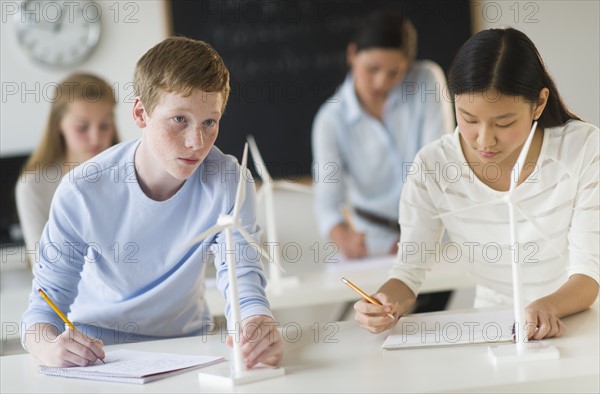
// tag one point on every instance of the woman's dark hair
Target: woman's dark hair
(506, 60)
(387, 29)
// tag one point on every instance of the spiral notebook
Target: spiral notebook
(131, 366)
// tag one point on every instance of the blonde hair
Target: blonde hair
(78, 86)
(182, 65)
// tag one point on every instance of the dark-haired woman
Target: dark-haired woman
(366, 135)
(501, 88)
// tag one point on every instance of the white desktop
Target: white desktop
(341, 357)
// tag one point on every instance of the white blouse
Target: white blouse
(561, 196)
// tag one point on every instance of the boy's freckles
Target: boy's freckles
(177, 136)
(178, 127)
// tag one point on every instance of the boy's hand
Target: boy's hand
(352, 244)
(261, 341)
(373, 318)
(68, 349)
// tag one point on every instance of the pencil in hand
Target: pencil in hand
(348, 219)
(60, 314)
(365, 295)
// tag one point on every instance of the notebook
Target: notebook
(130, 366)
(449, 328)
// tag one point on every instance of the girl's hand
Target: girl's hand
(540, 323)
(374, 318)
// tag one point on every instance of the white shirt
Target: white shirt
(33, 196)
(360, 160)
(561, 195)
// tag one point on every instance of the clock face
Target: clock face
(58, 33)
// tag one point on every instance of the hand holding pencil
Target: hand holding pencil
(66, 349)
(348, 239)
(365, 296)
(378, 312)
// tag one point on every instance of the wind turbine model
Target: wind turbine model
(524, 349)
(266, 192)
(228, 223)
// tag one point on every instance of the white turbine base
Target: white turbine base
(533, 351)
(224, 375)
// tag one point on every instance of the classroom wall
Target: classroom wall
(567, 34)
(287, 58)
(128, 30)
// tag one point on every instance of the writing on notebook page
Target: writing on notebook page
(130, 366)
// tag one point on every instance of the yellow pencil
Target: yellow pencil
(59, 312)
(364, 295)
(348, 219)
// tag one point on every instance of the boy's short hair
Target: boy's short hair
(182, 65)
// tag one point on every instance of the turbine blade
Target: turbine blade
(213, 230)
(260, 194)
(532, 220)
(518, 168)
(245, 156)
(259, 164)
(265, 255)
(241, 189)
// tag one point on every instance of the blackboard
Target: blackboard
(287, 57)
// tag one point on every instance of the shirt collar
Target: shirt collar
(352, 104)
(350, 100)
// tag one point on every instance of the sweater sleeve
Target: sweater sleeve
(584, 232)
(421, 232)
(438, 117)
(329, 187)
(62, 253)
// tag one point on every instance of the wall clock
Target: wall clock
(59, 34)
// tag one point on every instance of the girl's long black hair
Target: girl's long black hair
(507, 60)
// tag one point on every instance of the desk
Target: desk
(342, 357)
(15, 286)
(321, 286)
(317, 286)
(304, 254)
